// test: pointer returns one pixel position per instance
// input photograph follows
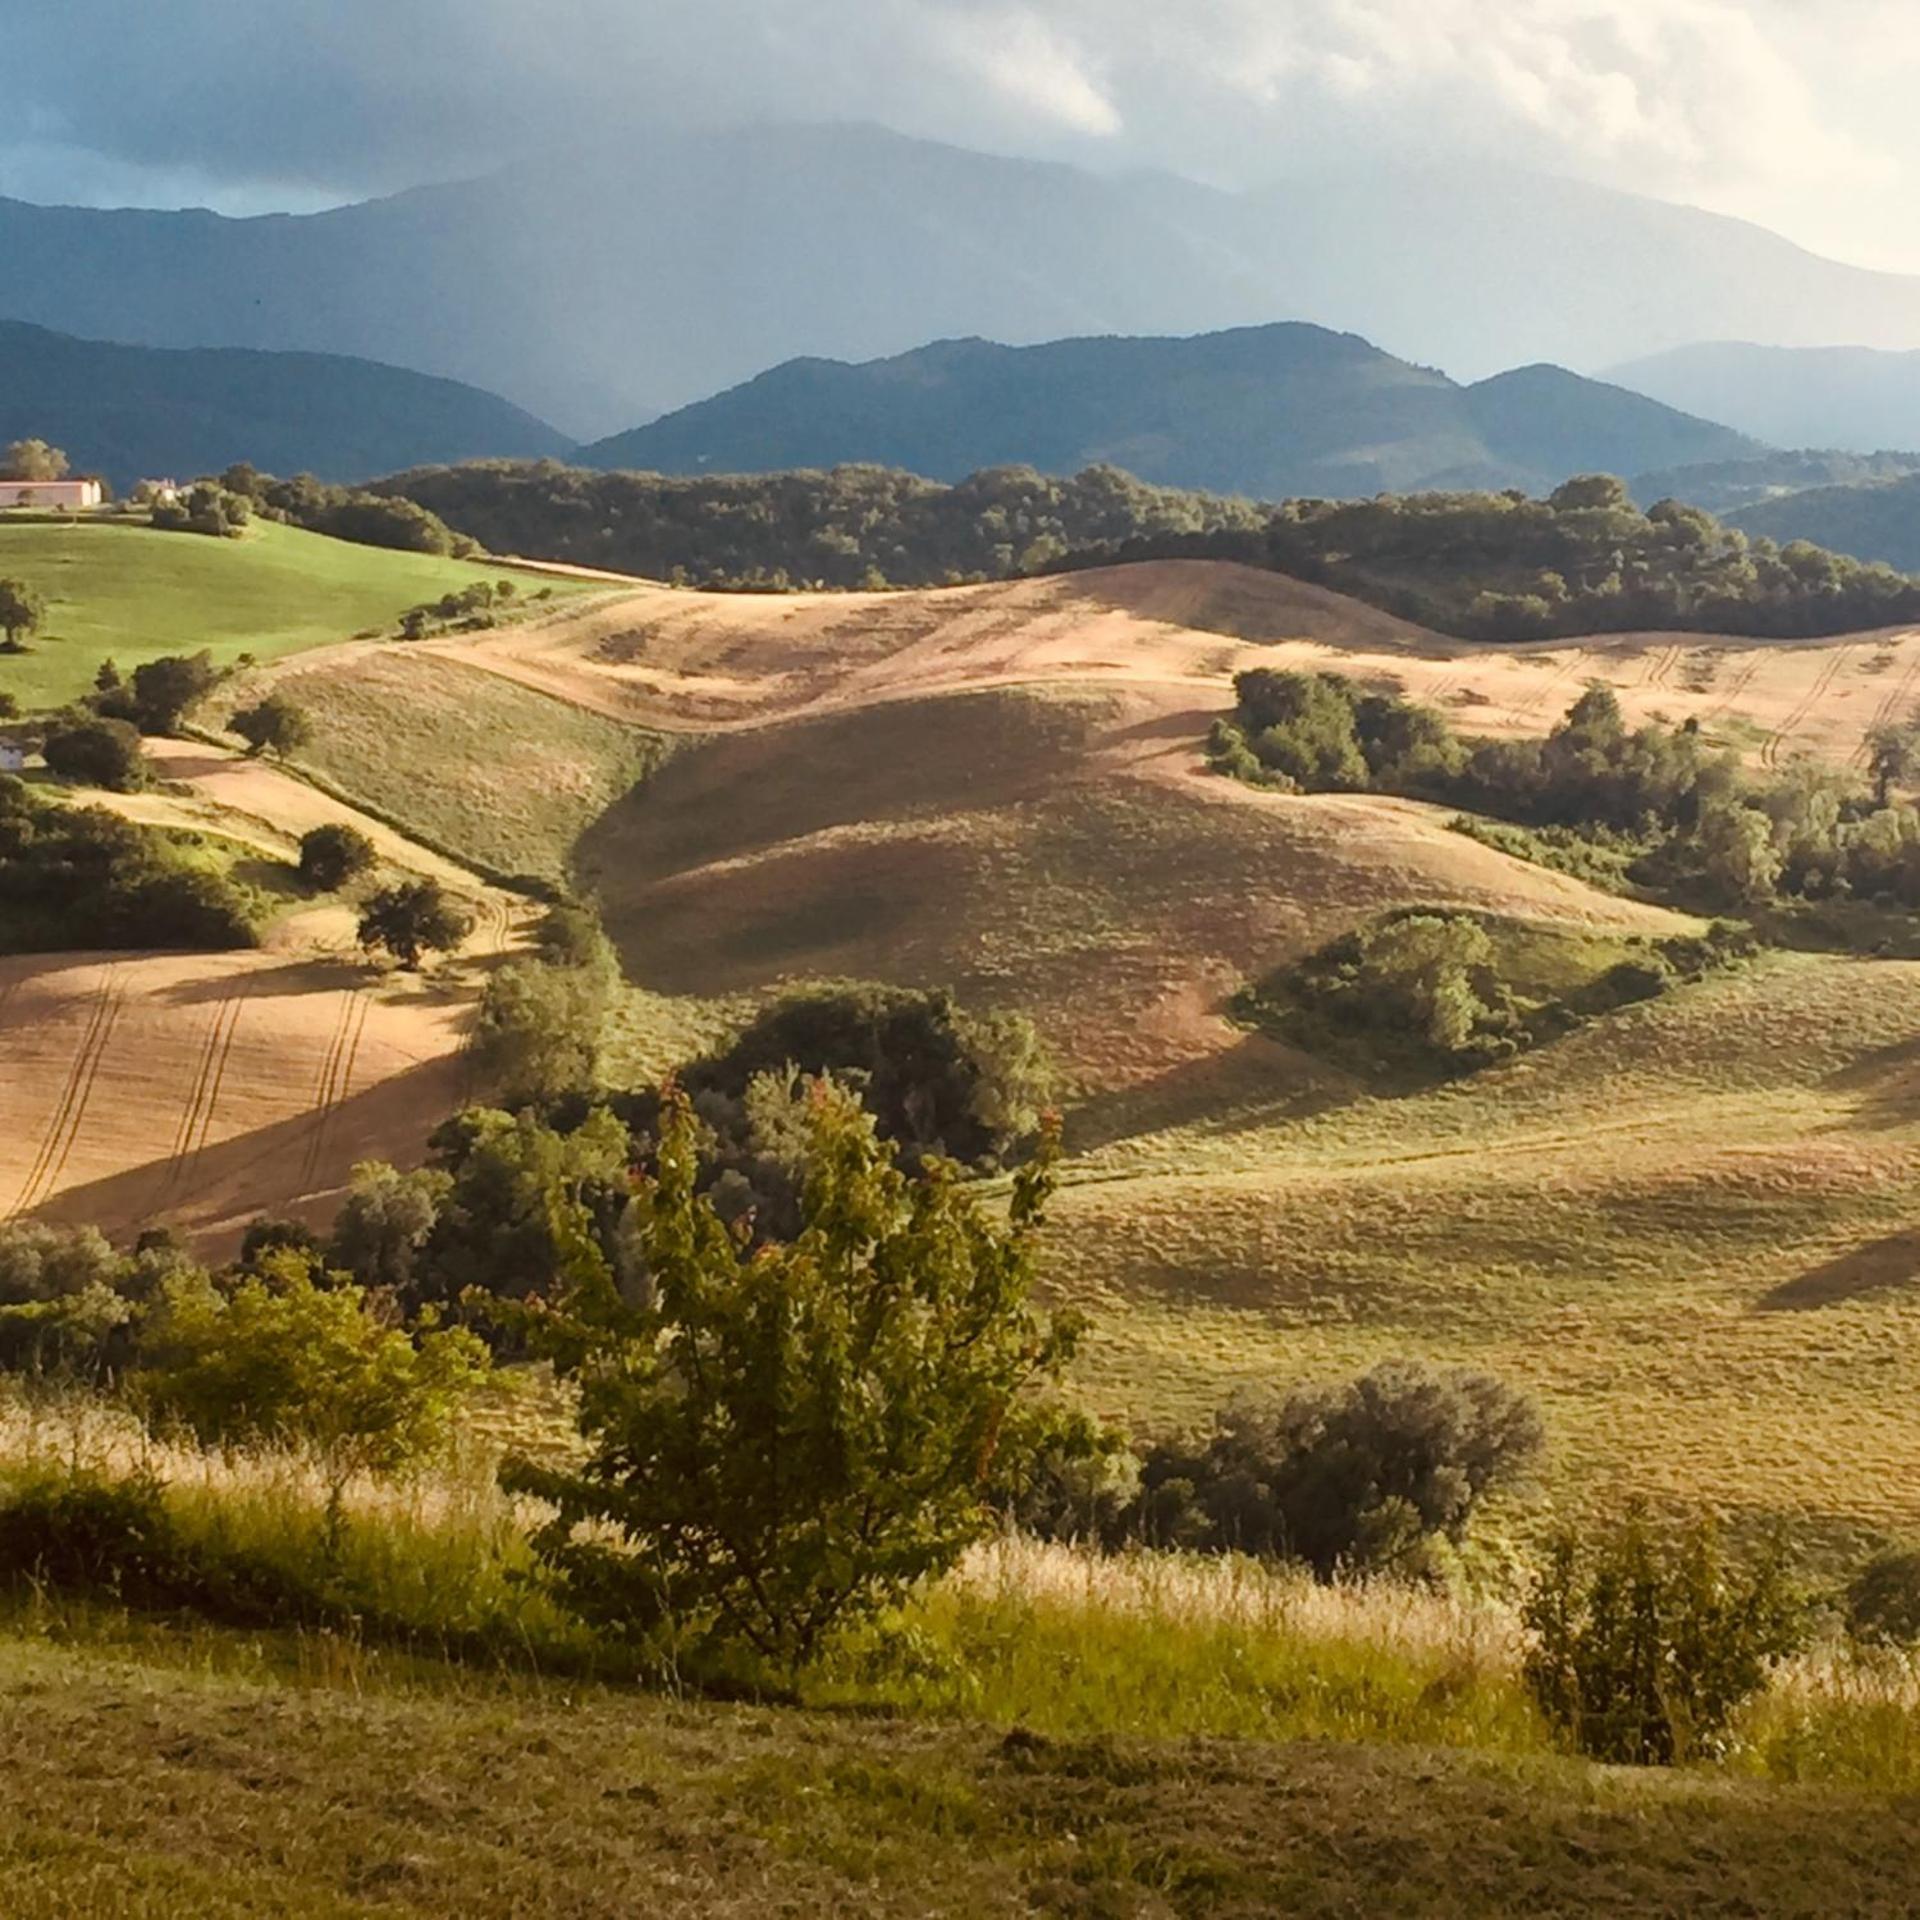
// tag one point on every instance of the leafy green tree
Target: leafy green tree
(96, 753)
(540, 1029)
(285, 1359)
(781, 1441)
(1643, 1648)
(60, 1298)
(163, 690)
(33, 460)
(21, 612)
(384, 1225)
(334, 854)
(411, 919)
(274, 725)
(1738, 855)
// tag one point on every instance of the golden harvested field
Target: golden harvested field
(194, 1091)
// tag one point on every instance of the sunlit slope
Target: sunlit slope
(124, 591)
(1688, 1227)
(1063, 853)
(678, 660)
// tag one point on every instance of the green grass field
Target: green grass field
(122, 590)
(486, 770)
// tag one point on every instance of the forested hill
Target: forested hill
(1263, 411)
(1490, 566)
(1874, 520)
(134, 413)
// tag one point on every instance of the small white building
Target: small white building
(74, 495)
(12, 759)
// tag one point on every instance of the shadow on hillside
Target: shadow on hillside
(296, 1167)
(282, 982)
(1888, 1083)
(1881, 1266)
(1256, 1082)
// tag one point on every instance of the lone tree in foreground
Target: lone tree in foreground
(275, 725)
(21, 612)
(412, 919)
(782, 1441)
(333, 854)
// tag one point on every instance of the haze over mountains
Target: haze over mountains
(1265, 411)
(140, 412)
(599, 289)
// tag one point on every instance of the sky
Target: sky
(1793, 113)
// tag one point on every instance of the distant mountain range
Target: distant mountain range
(1262, 411)
(605, 287)
(1876, 521)
(1856, 398)
(140, 412)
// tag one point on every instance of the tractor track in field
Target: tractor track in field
(56, 1145)
(336, 1076)
(1887, 713)
(1822, 685)
(203, 1099)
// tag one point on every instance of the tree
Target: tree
(60, 1303)
(334, 854)
(1642, 1649)
(1739, 857)
(273, 725)
(540, 1029)
(1591, 493)
(164, 689)
(781, 1441)
(97, 753)
(412, 918)
(285, 1359)
(1345, 1479)
(384, 1223)
(21, 612)
(33, 460)
(1893, 757)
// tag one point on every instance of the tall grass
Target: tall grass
(1064, 1641)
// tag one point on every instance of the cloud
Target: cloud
(1751, 105)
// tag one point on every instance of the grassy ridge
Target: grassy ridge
(122, 590)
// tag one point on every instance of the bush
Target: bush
(1883, 1599)
(782, 1442)
(333, 855)
(1643, 1649)
(96, 753)
(1347, 1479)
(540, 1029)
(282, 1357)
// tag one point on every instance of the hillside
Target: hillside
(851, 242)
(1859, 398)
(1725, 486)
(121, 590)
(1873, 520)
(133, 413)
(1266, 412)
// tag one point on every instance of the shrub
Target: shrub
(1883, 1599)
(161, 691)
(284, 1358)
(1353, 1478)
(781, 1442)
(1643, 1649)
(61, 1304)
(540, 1028)
(96, 753)
(383, 1225)
(333, 855)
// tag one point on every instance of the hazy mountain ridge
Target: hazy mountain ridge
(603, 288)
(1857, 398)
(137, 412)
(1267, 412)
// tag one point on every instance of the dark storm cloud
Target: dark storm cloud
(1744, 103)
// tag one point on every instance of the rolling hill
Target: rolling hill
(1875, 520)
(1861, 399)
(120, 589)
(1268, 412)
(602, 287)
(132, 413)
